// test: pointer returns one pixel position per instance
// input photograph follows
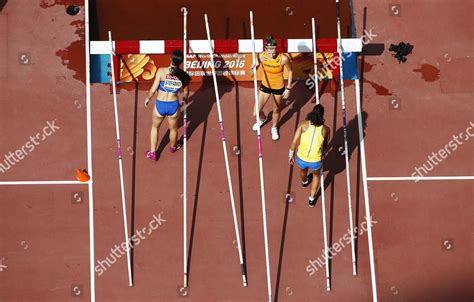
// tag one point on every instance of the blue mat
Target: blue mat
(350, 65)
(100, 69)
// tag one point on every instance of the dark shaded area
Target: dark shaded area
(358, 183)
(334, 163)
(285, 220)
(134, 165)
(331, 181)
(196, 197)
(283, 20)
(334, 160)
(94, 21)
(373, 49)
(299, 96)
(238, 150)
(197, 114)
(2, 4)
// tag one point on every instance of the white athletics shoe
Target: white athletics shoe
(275, 135)
(259, 124)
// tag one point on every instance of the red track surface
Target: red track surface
(228, 21)
(44, 247)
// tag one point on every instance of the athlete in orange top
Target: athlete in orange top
(273, 64)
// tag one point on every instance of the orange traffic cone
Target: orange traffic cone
(82, 175)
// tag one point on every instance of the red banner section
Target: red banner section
(232, 66)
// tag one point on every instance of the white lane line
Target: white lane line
(408, 178)
(42, 182)
(368, 215)
(89, 152)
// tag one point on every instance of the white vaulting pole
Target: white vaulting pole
(119, 147)
(323, 195)
(89, 152)
(418, 178)
(185, 136)
(260, 163)
(368, 215)
(226, 158)
(346, 149)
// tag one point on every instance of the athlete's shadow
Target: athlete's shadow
(299, 96)
(288, 200)
(361, 94)
(201, 103)
(335, 163)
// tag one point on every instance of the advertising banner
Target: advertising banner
(234, 67)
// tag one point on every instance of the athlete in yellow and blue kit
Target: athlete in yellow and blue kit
(313, 136)
(169, 81)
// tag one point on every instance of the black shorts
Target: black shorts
(272, 91)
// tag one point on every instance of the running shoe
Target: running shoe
(150, 155)
(275, 135)
(307, 181)
(259, 124)
(311, 201)
(176, 148)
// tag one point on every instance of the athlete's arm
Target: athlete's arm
(286, 61)
(185, 94)
(296, 138)
(185, 101)
(257, 64)
(154, 87)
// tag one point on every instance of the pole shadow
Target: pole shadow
(238, 151)
(2, 4)
(334, 163)
(285, 220)
(358, 185)
(134, 165)
(198, 112)
(196, 197)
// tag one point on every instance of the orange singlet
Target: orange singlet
(273, 72)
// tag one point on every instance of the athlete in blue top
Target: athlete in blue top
(168, 83)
